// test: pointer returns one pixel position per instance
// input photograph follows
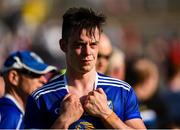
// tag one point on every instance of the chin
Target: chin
(86, 69)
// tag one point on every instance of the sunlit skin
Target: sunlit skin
(28, 85)
(81, 52)
(20, 86)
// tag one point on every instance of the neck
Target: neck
(81, 84)
(21, 101)
(86, 79)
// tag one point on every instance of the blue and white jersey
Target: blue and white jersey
(11, 114)
(43, 105)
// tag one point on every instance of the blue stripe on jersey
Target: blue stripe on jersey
(104, 80)
(114, 82)
(54, 85)
(48, 86)
(56, 79)
(19, 122)
(114, 85)
(51, 90)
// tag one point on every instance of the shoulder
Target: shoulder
(10, 112)
(10, 117)
(56, 84)
(7, 108)
(107, 81)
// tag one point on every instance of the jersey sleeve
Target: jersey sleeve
(33, 115)
(132, 107)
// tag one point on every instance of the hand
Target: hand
(96, 104)
(71, 108)
(71, 111)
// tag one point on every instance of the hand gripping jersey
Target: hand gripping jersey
(11, 114)
(43, 105)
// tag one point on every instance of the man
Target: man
(104, 53)
(143, 75)
(23, 73)
(81, 98)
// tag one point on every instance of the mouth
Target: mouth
(88, 58)
(87, 62)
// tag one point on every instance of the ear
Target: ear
(63, 45)
(13, 77)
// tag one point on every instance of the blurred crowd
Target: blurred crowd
(149, 63)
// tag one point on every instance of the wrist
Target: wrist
(112, 121)
(106, 114)
(110, 117)
(61, 123)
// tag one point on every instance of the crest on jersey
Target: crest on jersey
(84, 125)
(57, 111)
(110, 104)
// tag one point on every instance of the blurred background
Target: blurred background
(140, 28)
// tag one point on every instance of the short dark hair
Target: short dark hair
(76, 19)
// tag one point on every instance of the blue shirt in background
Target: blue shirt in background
(11, 114)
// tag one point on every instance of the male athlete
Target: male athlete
(82, 98)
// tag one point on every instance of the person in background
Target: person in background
(116, 68)
(143, 75)
(170, 97)
(2, 86)
(23, 72)
(82, 98)
(105, 50)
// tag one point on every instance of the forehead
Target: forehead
(93, 34)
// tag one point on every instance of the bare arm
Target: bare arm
(113, 121)
(96, 105)
(71, 111)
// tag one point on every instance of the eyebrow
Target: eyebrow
(82, 41)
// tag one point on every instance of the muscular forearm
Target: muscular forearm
(113, 122)
(61, 123)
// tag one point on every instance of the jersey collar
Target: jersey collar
(95, 84)
(10, 97)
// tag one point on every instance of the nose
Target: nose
(87, 49)
(42, 79)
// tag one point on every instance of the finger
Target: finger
(86, 104)
(66, 96)
(100, 90)
(73, 96)
(91, 93)
(77, 103)
(87, 101)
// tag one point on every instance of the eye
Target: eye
(93, 44)
(78, 44)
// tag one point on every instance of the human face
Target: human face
(28, 83)
(82, 51)
(105, 50)
(102, 63)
